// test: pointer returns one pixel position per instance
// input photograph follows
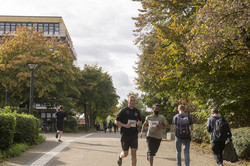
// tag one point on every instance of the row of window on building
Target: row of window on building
(49, 28)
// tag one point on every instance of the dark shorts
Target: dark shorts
(129, 142)
(153, 145)
(59, 126)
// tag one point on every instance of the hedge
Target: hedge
(27, 129)
(242, 142)
(7, 130)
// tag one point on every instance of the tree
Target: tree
(197, 51)
(96, 88)
(53, 77)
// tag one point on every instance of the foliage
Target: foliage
(242, 142)
(71, 124)
(7, 130)
(27, 129)
(197, 51)
(200, 134)
(97, 91)
(17, 148)
(52, 78)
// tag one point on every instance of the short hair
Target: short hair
(131, 96)
(61, 107)
(215, 110)
(181, 107)
(156, 104)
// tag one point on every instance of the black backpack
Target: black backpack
(182, 127)
(221, 129)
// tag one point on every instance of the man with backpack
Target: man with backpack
(220, 131)
(183, 125)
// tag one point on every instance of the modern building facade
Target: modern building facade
(52, 26)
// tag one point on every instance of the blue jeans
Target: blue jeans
(186, 146)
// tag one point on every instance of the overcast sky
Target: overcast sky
(101, 30)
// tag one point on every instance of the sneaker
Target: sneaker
(59, 140)
(119, 161)
(56, 134)
(147, 157)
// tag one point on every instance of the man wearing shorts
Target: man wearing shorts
(156, 123)
(128, 119)
(60, 117)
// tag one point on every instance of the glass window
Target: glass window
(7, 27)
(1, 27)
(48, 115)
(46, 28)
(29, 25)
(43, 115)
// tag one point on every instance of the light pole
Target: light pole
(86, 116)
(32, 67)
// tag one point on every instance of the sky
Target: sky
(101, 31)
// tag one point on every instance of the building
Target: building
(52, 26)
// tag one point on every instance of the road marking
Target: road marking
(49, 155)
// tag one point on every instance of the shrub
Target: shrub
(7, 129)
(27, 128)
(242, 142)
(71, 124)
(200, 134)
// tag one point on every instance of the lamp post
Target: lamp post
(32, 67)
(86, 116)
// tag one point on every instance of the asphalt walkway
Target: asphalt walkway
(100, 149)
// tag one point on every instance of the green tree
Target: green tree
(53, 77)
(96, 88)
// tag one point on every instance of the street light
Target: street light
(32, 67)
(86, 116)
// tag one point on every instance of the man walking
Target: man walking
(183, 125)
(220, 131)
(156, 123)
(128, 119)
(60, 117)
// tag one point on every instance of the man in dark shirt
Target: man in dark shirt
(128, 119)
(60, 117)
(217, 144)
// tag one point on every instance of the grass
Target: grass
(17, 148)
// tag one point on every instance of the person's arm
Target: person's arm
(209, 128)
(54, 116)
(118, 123)
(143, 127)
(191, 127)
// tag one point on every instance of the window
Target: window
(43, 115)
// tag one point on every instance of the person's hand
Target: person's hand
(127, 125)
(158, 126)
(141, 134)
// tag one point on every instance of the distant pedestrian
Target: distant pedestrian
(220, 132)
(156, 123)
(110, 125)
(60, 118)
(97, 126)
(128, 119)
(115, 127)
(104, 123)
(183, 125)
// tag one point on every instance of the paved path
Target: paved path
(100, 149)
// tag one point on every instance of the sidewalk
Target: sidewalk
(101, 149)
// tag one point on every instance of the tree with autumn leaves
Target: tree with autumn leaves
(57, 80)
(197, 52)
